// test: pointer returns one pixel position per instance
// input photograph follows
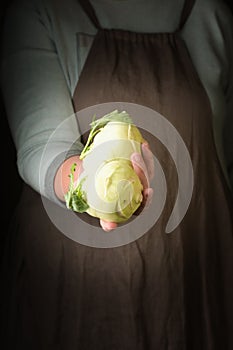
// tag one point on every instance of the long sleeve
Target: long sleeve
(37, 98)
(208, 34)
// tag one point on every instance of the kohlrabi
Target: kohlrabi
(108, 187)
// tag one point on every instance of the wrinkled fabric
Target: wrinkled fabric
(161, 291)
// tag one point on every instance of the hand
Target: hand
(62, 180)
(143, 165)
(144, 168)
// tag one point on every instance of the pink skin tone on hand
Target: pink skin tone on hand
(142, 164)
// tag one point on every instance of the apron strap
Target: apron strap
(90, 12)
(187, 8)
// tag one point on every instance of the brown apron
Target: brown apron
(161, 291)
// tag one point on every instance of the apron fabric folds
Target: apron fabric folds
(161, 291)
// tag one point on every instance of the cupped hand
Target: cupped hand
(143, 165)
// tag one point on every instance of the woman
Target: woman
(159, 291)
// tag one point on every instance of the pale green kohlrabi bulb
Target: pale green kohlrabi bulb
(109, 184)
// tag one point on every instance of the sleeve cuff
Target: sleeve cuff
(48, 185)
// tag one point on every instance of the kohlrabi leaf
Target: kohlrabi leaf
(113, 116)
(75, 197)
(78, 201)
(98, 124)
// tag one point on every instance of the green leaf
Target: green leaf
(79, 204)
(76, 197)
(113, 116)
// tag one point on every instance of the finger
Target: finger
(107, 225)
(140, 169)
(148, 159)
(147, 196)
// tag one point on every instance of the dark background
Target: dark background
(11, 184)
